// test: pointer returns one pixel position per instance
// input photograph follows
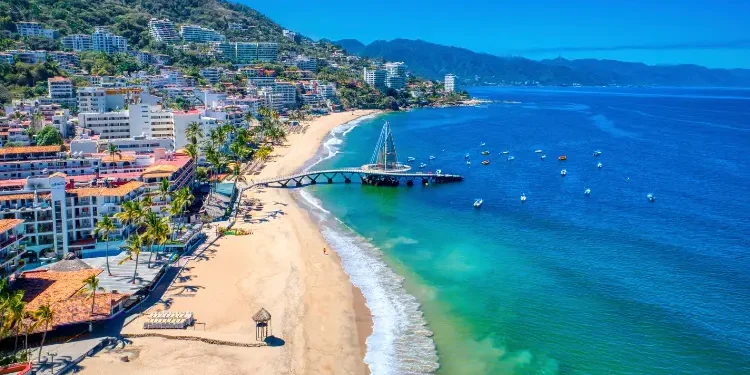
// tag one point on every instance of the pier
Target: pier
(384, 169)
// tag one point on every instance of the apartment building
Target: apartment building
(395, 75)
(60, 91)
(375, 77)
(35, 29)
(108, 125)
(104, 41)
(198, 34)
(212, 75)
(163, 31)
(11, 233)
(306, 63)
(288, 91)
(77, 42)
(64, 58)
(99, 99)
(28, 57)
(449, 84)
(249, 52)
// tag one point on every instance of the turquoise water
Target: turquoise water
(564, 283)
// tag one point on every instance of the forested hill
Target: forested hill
(434, 61)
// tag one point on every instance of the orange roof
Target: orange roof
(29, 196)
(105, 191)
(8, 224)
(58, 79)
(59, 174)
(161, 168)
(29, 149)
(116, 158)
(157, 175)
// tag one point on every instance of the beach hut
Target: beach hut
(262, 324)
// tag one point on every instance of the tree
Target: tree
(131, 213)
(157, 231)
(49, 136)
(185, 198)
(91, 286)
(15, 306)
(133, 248)
(164, 187)
(104, 227)
(44, 314)
(194, 132)
(113, 150)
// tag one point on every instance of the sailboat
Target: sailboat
(478, 203)
(523, 197)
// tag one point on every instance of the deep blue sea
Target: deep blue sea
(564, 283)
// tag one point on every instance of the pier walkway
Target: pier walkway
(366, 176)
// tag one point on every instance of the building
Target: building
(235, 26)
(198, 34)
(28, 57)
(327, 90)
(7, 58)
(77, 42)
(108, 125)
(163, 31)
(395, 75)
(183, 119)
(60, 91)
(449, 85)
(288, 92)
(104, 41)
(305, 63)
(375, 78)
(64, 58)
(11, 233)
(26, 29)
(249, 52)
(99, 99)
(290, 34)
(211, 75)
(150, 121)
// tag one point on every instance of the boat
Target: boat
(563, 172)
(410, 158)
(422, 165)
(597, 153)
(538, 151)
(482, 144)
(587, 191)
(438, 171)
(485, 152)
(562, 157)
(485, 162)
(511, 158)
(523, 197)
(505, 152)
(432, 157)
(466, 156)
(478, 203)
(650, 197)
(543, 156)
(599, 165)
(468, 162)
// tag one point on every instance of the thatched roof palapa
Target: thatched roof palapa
(262, 315)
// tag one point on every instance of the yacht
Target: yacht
(599, 165)
(482, 144)
(485, 162)
(563, 172)
(485, 152)
(422, 165)
(650, 197)
(538, 151)
(587, 191)
(432, 157)
(505, 152)
(511, 158)
(523, 197)
(543, 156)
(466, 156)
(597, 153)
(468, 162)
(438, 171)
(410, 158)
(562, 158)
(478, 203)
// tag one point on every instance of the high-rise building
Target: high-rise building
(375, 78)
(449, 84)
(35, 29)
(198, 34)
(60, 91)
(211, 75)
(249, 52)
(163, 30)
(104, 41)
(306, 63)
(395, 75)
(288, 91)
(99, 99)
(77, 42)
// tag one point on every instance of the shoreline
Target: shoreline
(320, 316)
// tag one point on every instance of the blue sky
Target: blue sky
(710, 33)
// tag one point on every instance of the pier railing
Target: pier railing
(364, 174)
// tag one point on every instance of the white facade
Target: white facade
(150, 121)
(375, 77)
(211, 75)
(449, 85)
(304, 63)
(59, 88)
(109, 125)
(77, 42)
(248, 52)
(98, 99)
(395, 75)
(183, 119)
(163, 30)
(104, 41)
(288, 92)
(198, 34)
(35, 29)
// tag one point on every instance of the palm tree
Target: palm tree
(131, 213)
(164, 190)
(157, 230)
(133, 247)
(104, 227)
(193, 151)
(44, 314)
(185, 197)
(147, 202)
(91, 286)
(16, 307)
(193, 132)
(263, 153)
(113, 150)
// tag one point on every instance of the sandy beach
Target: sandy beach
(318, 315)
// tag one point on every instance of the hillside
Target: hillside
(434, 61)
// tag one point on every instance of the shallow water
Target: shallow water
(564, 283)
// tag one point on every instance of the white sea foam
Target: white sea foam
(330, 146)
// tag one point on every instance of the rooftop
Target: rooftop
(118, 191)
(29, 196)
(29, 149)
(8, 224)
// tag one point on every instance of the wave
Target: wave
(329, 148)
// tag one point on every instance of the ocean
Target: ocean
(564, 283)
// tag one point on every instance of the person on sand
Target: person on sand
(325, 252)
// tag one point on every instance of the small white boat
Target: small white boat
(411, 158)
(543, 156)
(422, 165)
(523, 197)
(485, 152)
(482, 144)
(505, 152)
(468, 162)
(599, 165)
(485, 162)
(466, 156)
(650, 197)
(511, 158)
(587, 191)
(597, 153)
(478, 203)
(538, 151)
(438, 171)
(563, 172)
(432, 157)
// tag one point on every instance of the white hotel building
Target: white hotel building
(198, 34)
(163, 30)
(77, 42)
(449, 84)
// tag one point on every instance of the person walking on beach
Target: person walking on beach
(325, 252)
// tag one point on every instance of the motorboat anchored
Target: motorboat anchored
(538, 151)
(505, 152)
(650, 197)
(485, 152)
(511, 158)
(422, 165)
(523, 197)
(482, 144)
(597, 152)
(563, 172)
(478, 203)
(468, 162)
(587, 192)
(562, 158)
(411, 158)
(599, 165)
(485, 162)
(543, 157)
(466, 156)
(432, 157)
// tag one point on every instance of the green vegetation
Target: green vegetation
(25, 80)
(49, 135)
